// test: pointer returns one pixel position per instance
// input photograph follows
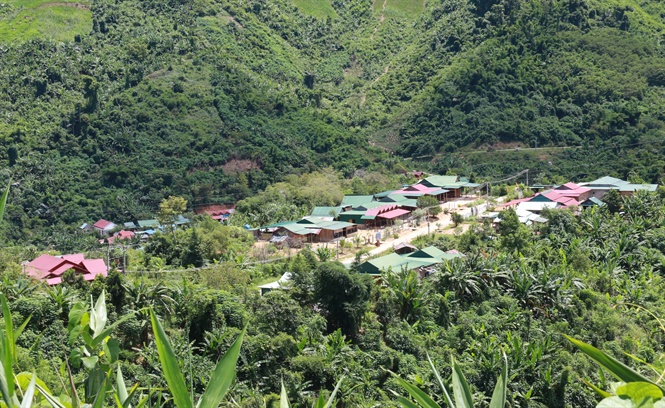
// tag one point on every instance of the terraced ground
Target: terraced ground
(22, 20)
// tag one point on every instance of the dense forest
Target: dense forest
(110, 106)
(596, 277)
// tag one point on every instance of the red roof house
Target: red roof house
(103, 226)
(120, 235)
(50, 268)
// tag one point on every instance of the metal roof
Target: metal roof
(326, 211)
(356, 200)
(148, 223)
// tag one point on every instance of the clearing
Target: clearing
(60, 21)
(316, 8)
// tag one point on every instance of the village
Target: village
(387, 222)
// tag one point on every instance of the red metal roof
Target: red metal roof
(95, 266)
(74, 258)
(378, 210)
(51, 268)
(54, 281)
(102, 224)
(393, 214)
(120, 235)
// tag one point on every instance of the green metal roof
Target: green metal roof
(356, 200)
(591, 202)
(428, 252)
(148, 223)
(440, 181)
(326, 211)
(606, 182)
(425, 257)
(409, 202)
(369, 206)
(383, 194)
(297, 229)
(352, 212)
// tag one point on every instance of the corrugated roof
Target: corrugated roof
(591, 202)
(104, 225)
(441, 181)
(425, 257)
(326, 211)
(606, 182)
(369, 206)
(148, 223)
(383, 194)
(356, 200)
(393, 214)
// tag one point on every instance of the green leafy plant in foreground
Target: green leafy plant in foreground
(220, 381)
(460, 390)
(321, 402)
(633, 389)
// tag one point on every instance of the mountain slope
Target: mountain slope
(213, 100)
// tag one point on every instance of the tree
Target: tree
(193, 253)
(456, 218)
(613, 200)
(170, 208)
(427, 201)
(343, 296)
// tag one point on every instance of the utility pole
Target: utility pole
(527, 177)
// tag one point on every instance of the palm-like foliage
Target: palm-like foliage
(460, 390)
(456, 276)
(408, 292)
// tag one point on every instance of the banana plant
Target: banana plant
(632, 389)
(97, 352)
(220, 381)
(321, 402)
(32, 389)
(460, 390)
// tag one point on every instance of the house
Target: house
(50, 268)
(598, 188)
(309, 229)
(104, 227)
(403, 248)
(592, 202)
(350, 201)
(329, 213)
(357, 213)
(383, 215)
(218, 212)
(421, 260)
(120, 235)
(282, 284)
(148, 224)
(181, 220)
(419, 190)
(454, 185)
(130, 226)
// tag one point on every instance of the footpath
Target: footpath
(408, 235)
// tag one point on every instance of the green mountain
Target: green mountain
(110, 105)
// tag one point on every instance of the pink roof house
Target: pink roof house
(50, 268)
(120, 235)
(103, 226)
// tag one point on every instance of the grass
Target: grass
(316, 8)
(44, 19)
(405, 8)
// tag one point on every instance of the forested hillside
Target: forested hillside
(109, 106)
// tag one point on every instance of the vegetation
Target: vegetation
(514, 293)
(131, 102)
